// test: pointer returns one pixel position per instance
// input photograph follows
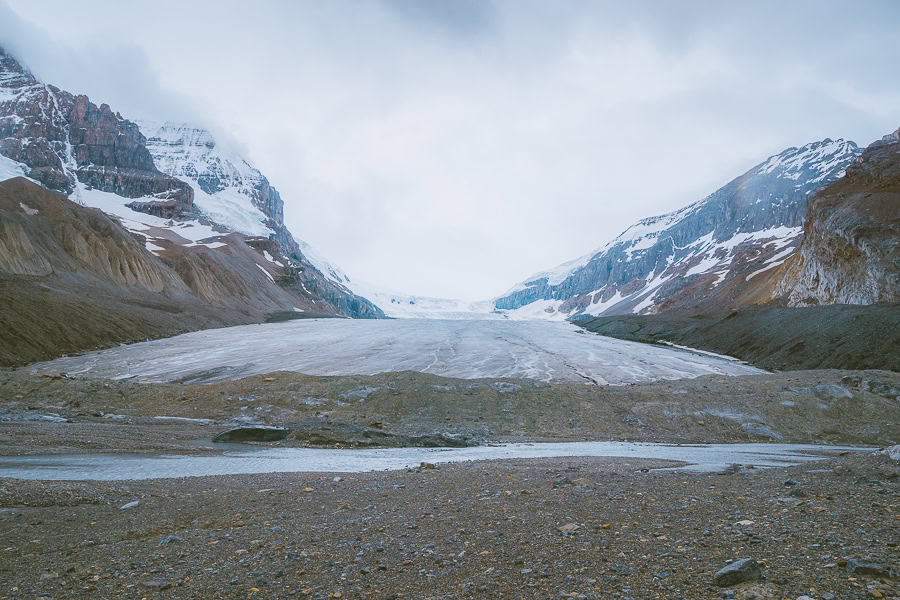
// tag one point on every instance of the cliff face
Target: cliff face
(851, 245)
(65, 139)
(710, 255)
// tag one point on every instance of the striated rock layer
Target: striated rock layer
(851, 247)
(72, 278)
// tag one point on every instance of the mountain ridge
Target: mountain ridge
(697, 256)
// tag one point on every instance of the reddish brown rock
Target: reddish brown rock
(63, 139)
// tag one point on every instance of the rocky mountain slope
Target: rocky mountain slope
(723, 251)
(775, 338)
(232, 195)
(66, 142)
(851, 244)
(72, 278)
(211, 218)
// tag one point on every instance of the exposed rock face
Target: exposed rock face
(710, 255)
(66, 140)
(851, 247)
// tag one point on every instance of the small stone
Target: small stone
(569, 528)
(170, 539)
(157, 584)
(130, 505)
(426, 465)
(741, 570)
(337, 479)
(562, 481)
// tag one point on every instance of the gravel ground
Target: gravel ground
(581, 528)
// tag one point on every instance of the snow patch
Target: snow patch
(153, 247)
(269, 275)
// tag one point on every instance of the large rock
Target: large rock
(868, 569)
(253, 434)
(740, 571)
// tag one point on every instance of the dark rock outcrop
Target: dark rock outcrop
(252, 434)
(851, 244)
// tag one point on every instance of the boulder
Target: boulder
(252, 434)
(740, 571)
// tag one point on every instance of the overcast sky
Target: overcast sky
(453, 147)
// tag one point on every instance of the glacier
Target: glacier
(546, 351)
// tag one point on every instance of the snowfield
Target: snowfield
(543, 350)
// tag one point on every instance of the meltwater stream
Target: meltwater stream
(109, 467)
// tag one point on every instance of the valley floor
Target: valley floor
(536, 528)
(561, 528)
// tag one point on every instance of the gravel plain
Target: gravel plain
(560, 528)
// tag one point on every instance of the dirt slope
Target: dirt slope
(72, 279)
(779, 339)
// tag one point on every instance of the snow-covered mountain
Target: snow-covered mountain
(700, 257)
(172, 185)
(227, 190)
